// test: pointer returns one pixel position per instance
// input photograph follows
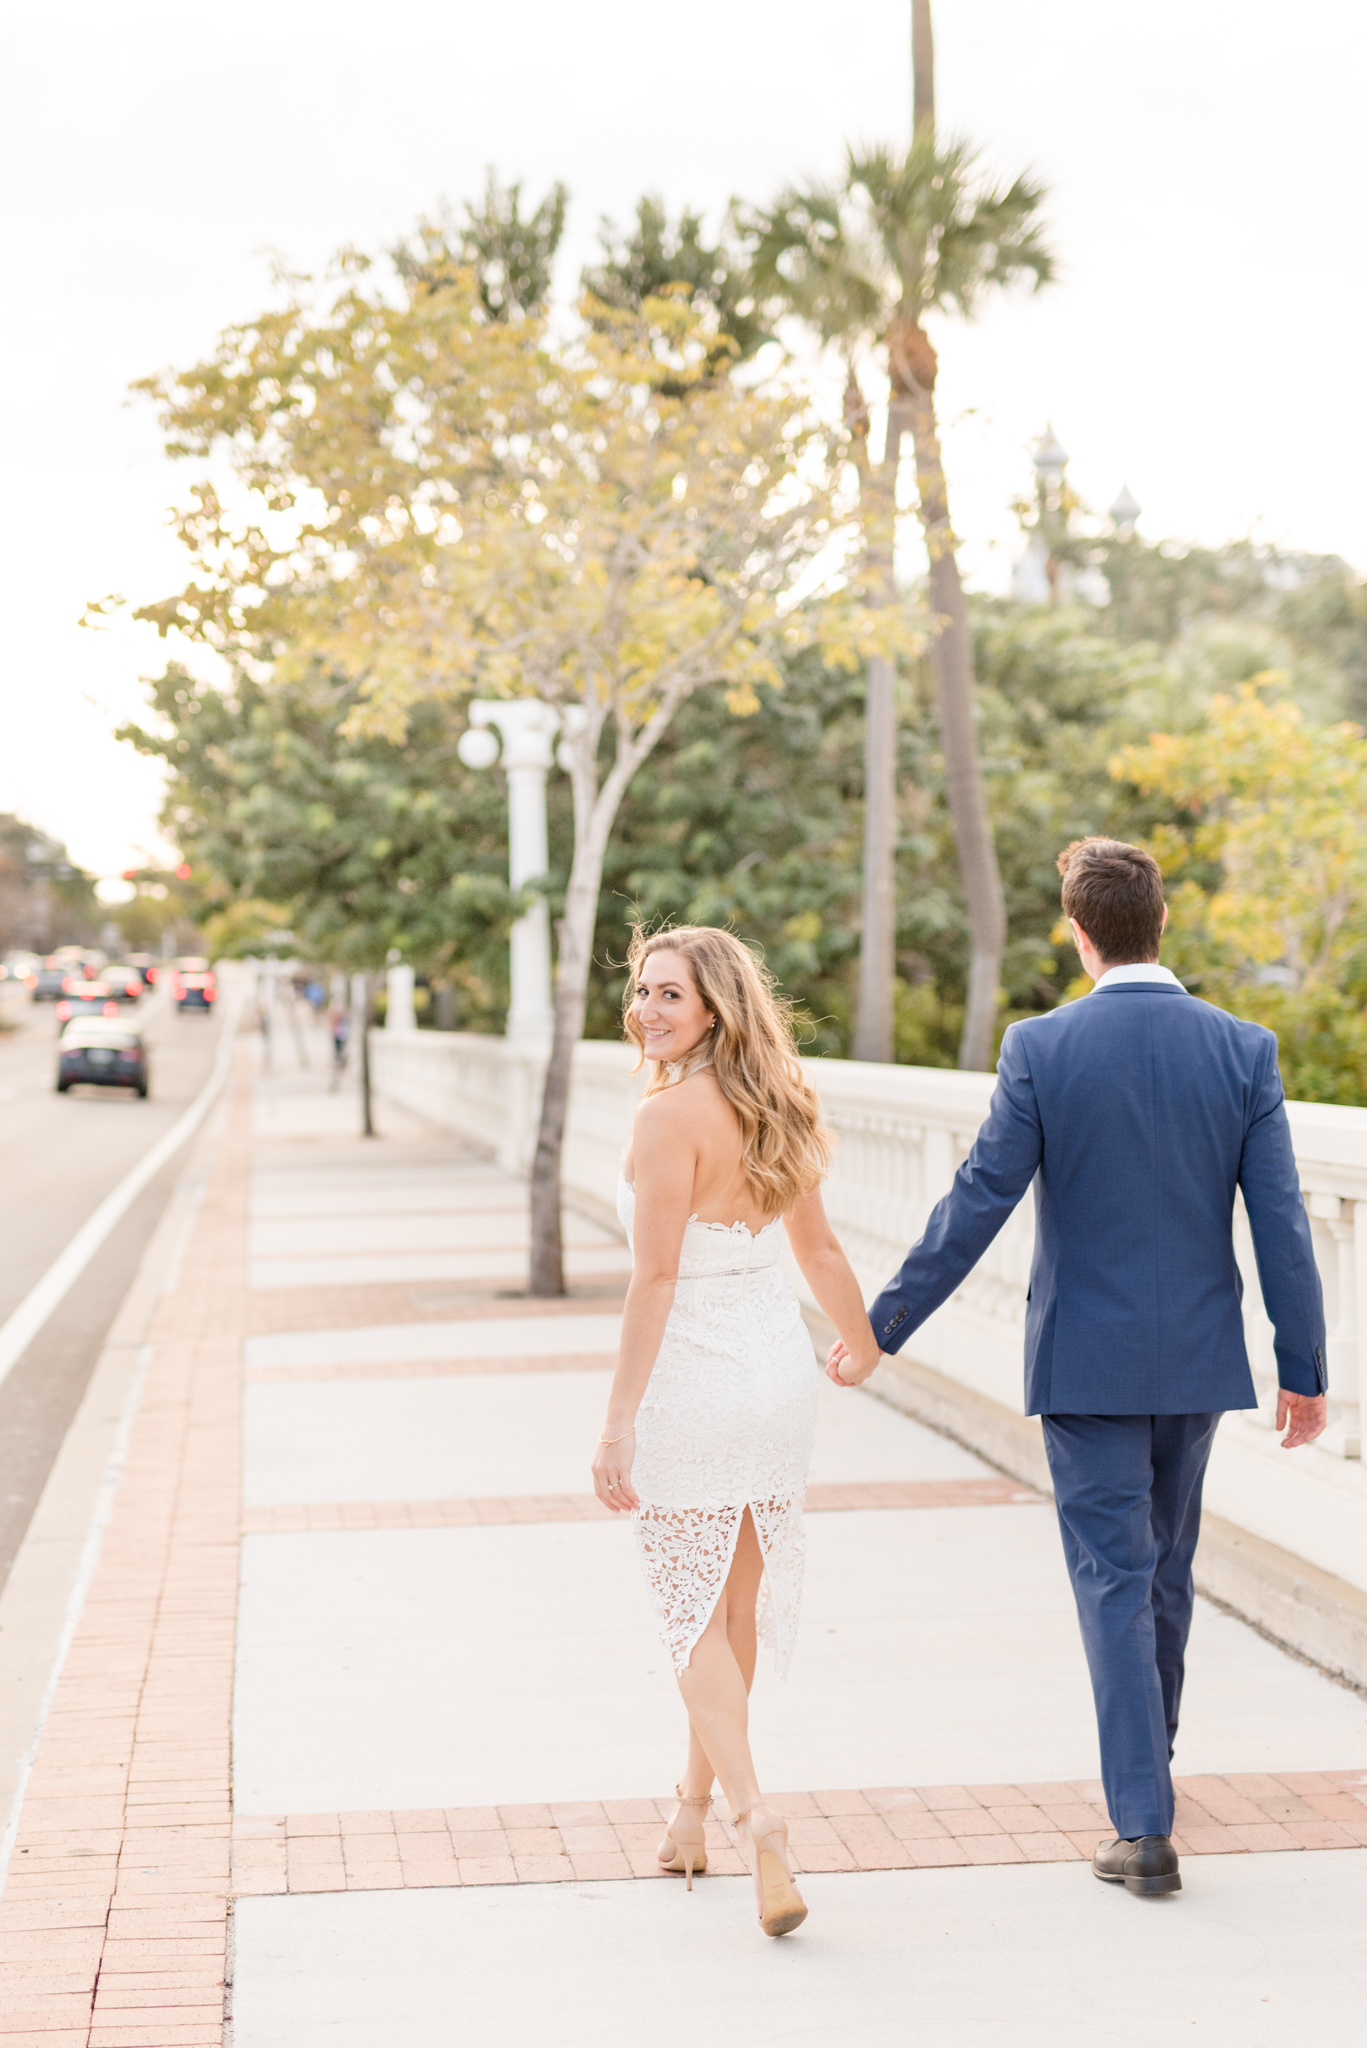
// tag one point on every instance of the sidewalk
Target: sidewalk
(452, 1726)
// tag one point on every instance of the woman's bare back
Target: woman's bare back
(721, 1193)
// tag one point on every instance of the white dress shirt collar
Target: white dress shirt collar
(1136, 970)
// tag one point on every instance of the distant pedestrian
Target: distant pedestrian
(340, 1024)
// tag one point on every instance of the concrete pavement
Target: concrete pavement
(452, 1724)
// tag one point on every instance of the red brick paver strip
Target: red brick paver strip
(114, 1915)
(292, 1518)
(910, 1827)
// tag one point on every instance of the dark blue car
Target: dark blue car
(92, 1053)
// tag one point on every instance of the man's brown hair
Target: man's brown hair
(1115, 892)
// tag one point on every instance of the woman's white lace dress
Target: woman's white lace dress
(727, 1423)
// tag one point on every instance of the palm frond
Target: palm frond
(946, 236)
(808, 257)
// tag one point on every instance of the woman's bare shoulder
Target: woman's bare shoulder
(688, 1109)
(660, 1116)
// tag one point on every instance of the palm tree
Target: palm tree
(864, 262)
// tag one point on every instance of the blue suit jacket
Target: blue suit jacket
(1136, 1112)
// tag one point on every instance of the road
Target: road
(60, 1155)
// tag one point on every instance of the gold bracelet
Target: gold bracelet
(606, 1441)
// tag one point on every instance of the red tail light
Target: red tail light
(110, 1010)
(63, 1012)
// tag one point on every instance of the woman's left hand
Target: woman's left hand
(843, 1369)
(612, 1474)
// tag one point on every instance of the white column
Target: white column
(398, 1015)
(527, 728)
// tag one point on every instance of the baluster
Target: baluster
(1343, 1437)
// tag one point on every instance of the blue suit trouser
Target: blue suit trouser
(1128, 1491)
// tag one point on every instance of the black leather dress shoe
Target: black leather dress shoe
(1148, 1865)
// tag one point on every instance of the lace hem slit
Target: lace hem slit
(687, 1554)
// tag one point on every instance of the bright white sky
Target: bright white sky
(1207, 161)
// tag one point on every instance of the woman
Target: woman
(712, 1412)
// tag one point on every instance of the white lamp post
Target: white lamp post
(399, 1014)
(527, 728)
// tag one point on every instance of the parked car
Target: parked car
(51, 979)
(193, 989)
(95, 1054)
(125, 981)
(86, 960)
(86, 999)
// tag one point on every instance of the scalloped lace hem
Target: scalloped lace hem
(686, 1554)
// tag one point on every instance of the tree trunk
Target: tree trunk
(547, 1275)
(873, 1017)
(594, 814)
(367, 1107)
(873, 1028)
(913, 364)
(951, 655)
(922, 69)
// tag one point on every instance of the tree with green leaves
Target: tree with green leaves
(865, 262)
(513, 259)
(357, 844)
(659, 256)
(1266, 843)
(460, 503)
(45, 899)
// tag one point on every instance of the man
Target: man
(1136, 1113)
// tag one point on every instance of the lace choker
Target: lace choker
(693, 1062)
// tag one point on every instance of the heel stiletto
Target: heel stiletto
(781, 1906)
(684, 1837)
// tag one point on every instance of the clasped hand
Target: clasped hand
(846, 1371)
(1306, 1413)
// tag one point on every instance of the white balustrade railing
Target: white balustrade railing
(901, 1133)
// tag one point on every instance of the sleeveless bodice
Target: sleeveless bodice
(714, 1251)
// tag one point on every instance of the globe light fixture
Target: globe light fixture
(478, 747)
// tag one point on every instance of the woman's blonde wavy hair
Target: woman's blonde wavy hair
(785, 1152)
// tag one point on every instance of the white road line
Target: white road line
(38, 1304)
(75, 1601)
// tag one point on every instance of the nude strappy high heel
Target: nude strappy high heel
(684, 1836)
(781, 1906)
